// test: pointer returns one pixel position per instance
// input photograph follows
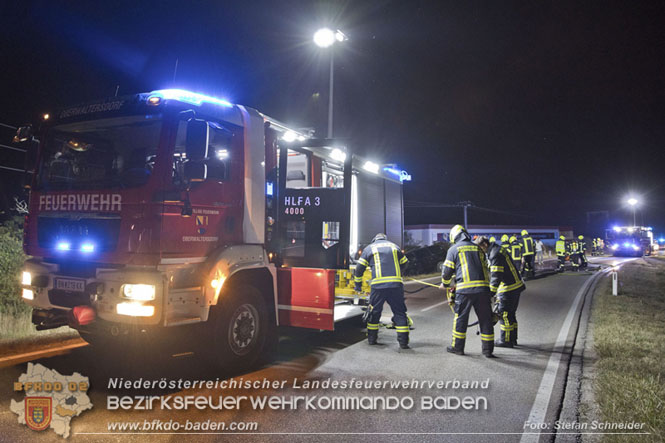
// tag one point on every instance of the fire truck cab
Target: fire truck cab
(170, 208)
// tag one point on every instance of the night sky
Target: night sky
(543, 110)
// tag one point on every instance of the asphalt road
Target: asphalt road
(525, 383)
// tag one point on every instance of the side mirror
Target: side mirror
(195, 171)
(196, 143)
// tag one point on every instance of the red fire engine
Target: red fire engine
(169, 208)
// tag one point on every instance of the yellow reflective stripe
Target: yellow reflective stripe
(377, 261)
(372, 326)
(402, 328)
(398, 271)
(493, 288)
(454, 327)
(387, 280)
(403, 260)
(449, 264)
(485, 337)
(483, 262)
(358, 279)
(465, 266)
(468, 248)
(363, 262)
(496, 268)
(504, 288)
(473, 284)
(506, 322)
(446, 282)
(459, 335)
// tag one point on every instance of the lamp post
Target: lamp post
(633, 202)
(325, 38)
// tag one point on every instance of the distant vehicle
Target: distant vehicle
(631, 240)
(427, 259)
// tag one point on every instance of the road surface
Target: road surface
(525, 384)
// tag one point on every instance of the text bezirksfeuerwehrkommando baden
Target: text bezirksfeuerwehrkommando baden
(326, 397)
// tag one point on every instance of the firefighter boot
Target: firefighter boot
(372, 333)
(457, 348)
(488, 348)
(403, 340)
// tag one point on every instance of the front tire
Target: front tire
(239, 327)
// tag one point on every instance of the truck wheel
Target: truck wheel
(239, 327)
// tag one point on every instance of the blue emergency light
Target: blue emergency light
(184, 96)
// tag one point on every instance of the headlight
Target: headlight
(134, 309)
(26, 278)
(615, 247)
(139, 292)
(635, 248)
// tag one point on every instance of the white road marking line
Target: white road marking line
(433, 306)
(542, 401)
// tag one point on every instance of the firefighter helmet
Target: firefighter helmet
(524, 232)
(379, 237)
(504, 238)
(561, 237)
(455, 232)
(581, 237)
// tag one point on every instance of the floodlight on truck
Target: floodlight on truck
(139, 292)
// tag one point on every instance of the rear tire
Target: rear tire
(239, 328)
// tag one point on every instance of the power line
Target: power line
(14, 169)
(8, 126)
(12, 148)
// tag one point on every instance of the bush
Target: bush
(11, 261)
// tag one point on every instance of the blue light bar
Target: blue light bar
(63, 246)
(87, 247)
(402, 175)
(190, 97)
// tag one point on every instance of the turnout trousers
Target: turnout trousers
(562, 262)
(395, 299)
(528, 265)
(507, 309)
(482, 305)
(583, 261)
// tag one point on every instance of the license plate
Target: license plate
(70, 284)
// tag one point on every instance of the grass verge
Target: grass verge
(629, 339)
(18, 334)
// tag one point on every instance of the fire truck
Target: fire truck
(631, 240)
(171, 208)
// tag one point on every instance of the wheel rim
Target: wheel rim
(243, 329)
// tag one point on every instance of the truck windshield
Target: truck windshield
(109, 153)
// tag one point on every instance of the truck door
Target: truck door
(313, 224)
(313, 211)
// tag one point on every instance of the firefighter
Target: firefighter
(507, 284)
(516, 252)
(386, 260)
(573, 255)
(560, 248)
(581, 250)
(466, 270)
(528, 254)
(594, 246)
(505, 242)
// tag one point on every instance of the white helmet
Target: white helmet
(455, 232)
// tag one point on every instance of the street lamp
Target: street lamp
(325, 38)
(633, 202)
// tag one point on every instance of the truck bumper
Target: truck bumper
(45, 288)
